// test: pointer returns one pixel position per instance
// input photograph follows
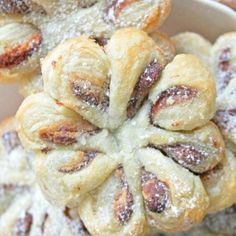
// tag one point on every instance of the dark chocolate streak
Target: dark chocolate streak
(146, 80)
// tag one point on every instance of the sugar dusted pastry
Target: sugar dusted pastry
(16, 174)
(225, 117)
(197, 91)
(223, 57)
(102, 143)
(31, 86)
(19, 49)
(165, 43)
(220, 224)
(13, 156)
(220, 183)
(37, 26)
(23, 208)
(101, 94)
(193, 43)
(19, 6)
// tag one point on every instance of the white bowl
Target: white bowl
(206, 17)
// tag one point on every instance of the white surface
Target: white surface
(206, 17)
(202, 16)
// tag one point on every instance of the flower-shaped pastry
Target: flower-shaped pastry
(122, 136)
(23, 208)
(30, 28)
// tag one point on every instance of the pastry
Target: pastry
(193, 43)
(30, 28)
(110, 137)
(31, 86)
(220, 224)
(164, 43)
(23, 208)
(225, 116)
(219, 182)
(19, 49)
(223, 58)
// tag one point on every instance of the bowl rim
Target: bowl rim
(218, 6)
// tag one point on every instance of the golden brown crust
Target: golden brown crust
(20, 49)
(220, 183)
(23, 208)
(165, 43)
(56, 22)
(166, 153)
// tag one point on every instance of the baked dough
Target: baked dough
(220, 183)
(193, 43)
(92, 81)
(19, 49)
(31, 86)
(37, 26)
(225, 116)
(101, 144)
(222, 58)
(164, 43)
(23, 208)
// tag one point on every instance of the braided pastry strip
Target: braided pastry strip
(97, 150)
(23, 208)
(30, 28)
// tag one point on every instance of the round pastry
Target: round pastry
(114, 135)
(193, 43)
(30, 28)
(23, 208)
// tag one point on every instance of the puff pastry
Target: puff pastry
(23, 208)
(164, 43)
(37, 26)
(219, 182)
(110, 137)
(193, 43)
(213, 225)
(225, 116)
(31, 86)
(19, 49)
(221, 57)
